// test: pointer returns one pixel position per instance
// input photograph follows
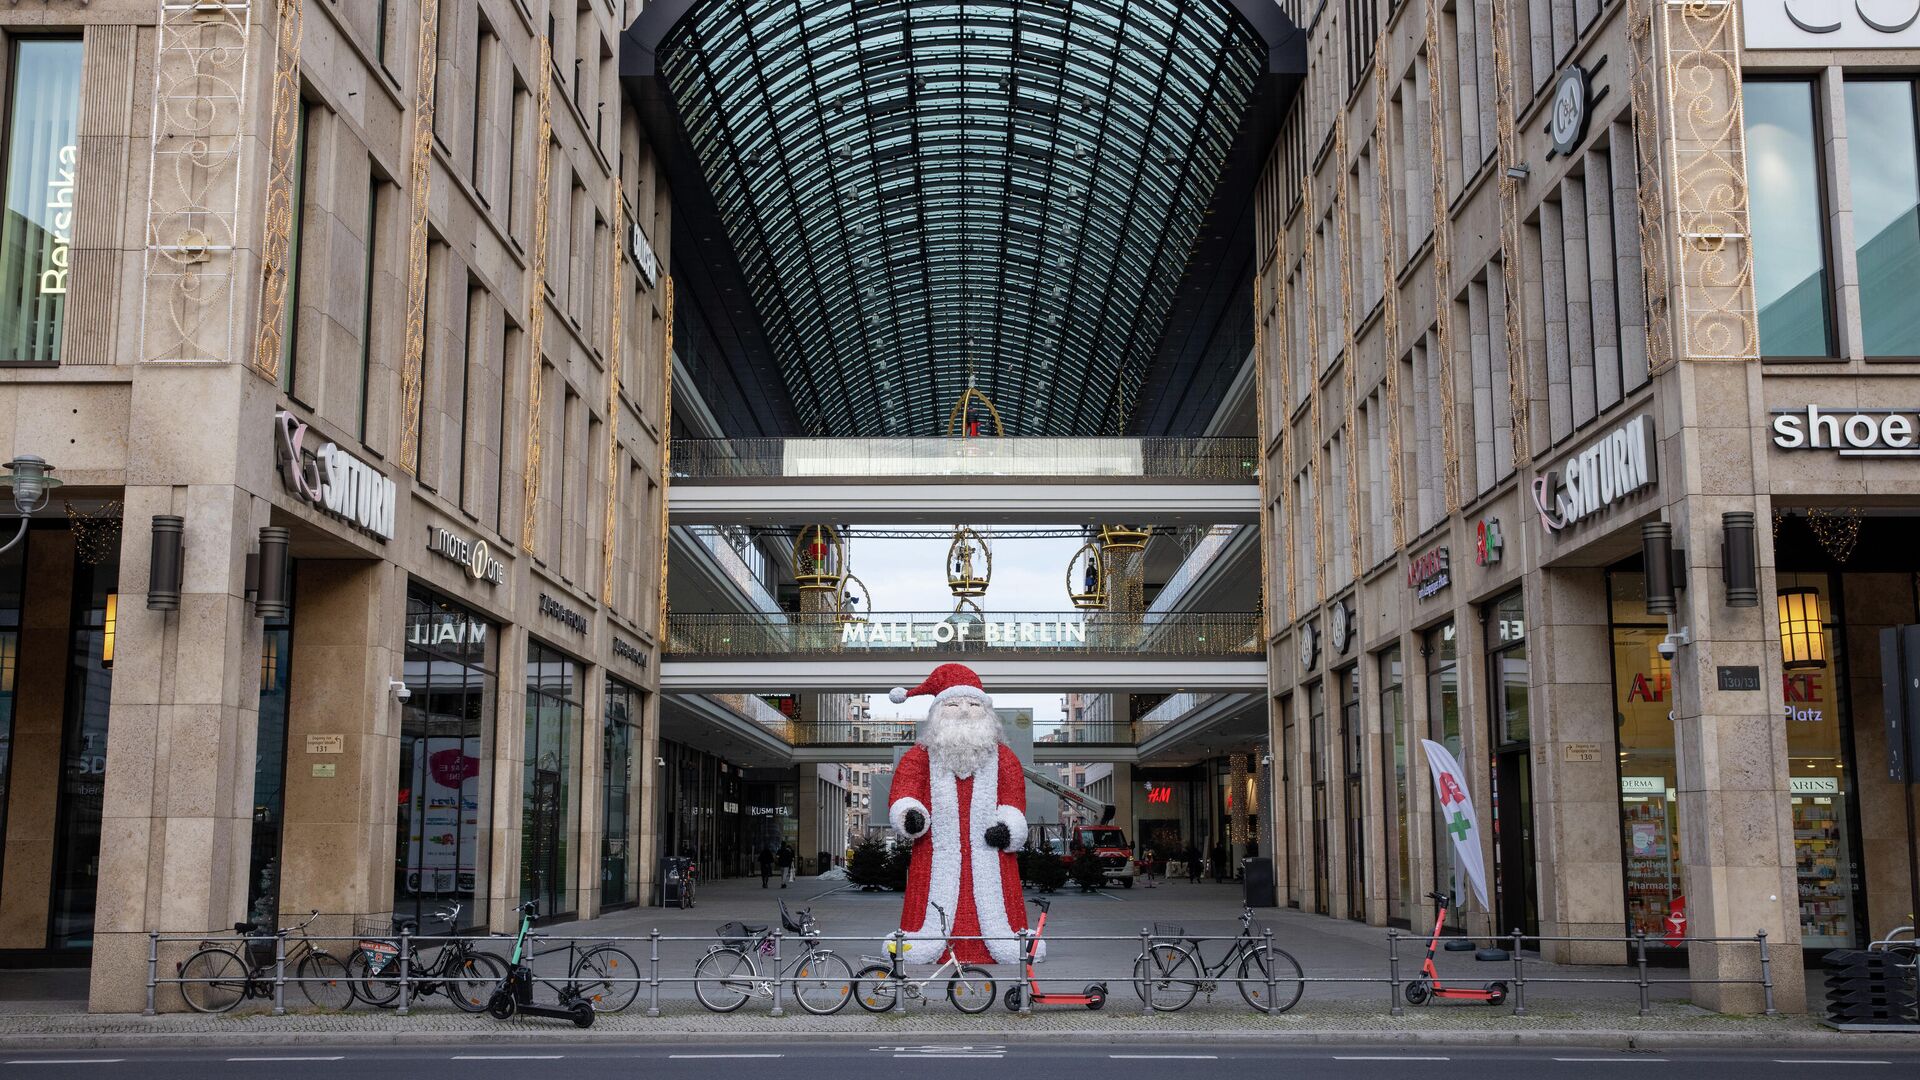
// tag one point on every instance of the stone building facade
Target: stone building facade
(375, 288)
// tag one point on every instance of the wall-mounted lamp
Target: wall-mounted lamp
(31, 485)
(163, 569)
(1739, 569)
(1656, 549)
(270, 592)
(1519, 171)
(1803, 637)
(108, 625)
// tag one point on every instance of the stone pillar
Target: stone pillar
(39, 717)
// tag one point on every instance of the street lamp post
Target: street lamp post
(31, 486)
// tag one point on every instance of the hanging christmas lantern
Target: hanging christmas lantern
(969, 563)
(819, 558)
(1087, 578)
(1125, 539)
(971, 415)
(967, 618)
(854, 603)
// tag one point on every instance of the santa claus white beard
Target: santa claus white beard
(963, 745)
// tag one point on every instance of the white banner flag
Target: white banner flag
(1454, 810)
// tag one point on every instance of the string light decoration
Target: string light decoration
(666, 440)
(1238, 792)
(1348, 352)
(1389, 292)
(420, 182)
(1308, 278)
(537, 305)
(1836, 529)
(1283, 347)
(96, 534)
(1651, 193)
(616, 272)
(277, 240)
(1519, 370)
(1442, 262)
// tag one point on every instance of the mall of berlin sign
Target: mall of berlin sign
(907, 633)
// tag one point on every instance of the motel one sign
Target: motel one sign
(915, 635)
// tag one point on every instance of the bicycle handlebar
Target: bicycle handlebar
(297, 927)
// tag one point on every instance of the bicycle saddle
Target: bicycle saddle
(745, 928)
(245, 927)
(401, 926)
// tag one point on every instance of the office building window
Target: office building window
(1791, 280)
(36, 239)
(1886, 213)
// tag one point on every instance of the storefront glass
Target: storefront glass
(76, 864)
(1443, 727)
(1650, 835)
(269, 773)
(1317, 743)
(617, 772)
(1790, 281)
(1401, 906)
(1353, 768)
(549, 815)
(1886, 214)
(36, 237)
(12, 565)
(1515, 894)
(1819, 785)
(446, 738)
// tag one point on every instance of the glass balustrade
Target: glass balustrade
(1225, 459)
(1204, 554)
(1158, 634)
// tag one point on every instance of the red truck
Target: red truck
(1109, 844)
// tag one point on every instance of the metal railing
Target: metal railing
(1172, 634)
(773, 983)
(1221, 459)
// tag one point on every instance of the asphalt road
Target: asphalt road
(753, 1059)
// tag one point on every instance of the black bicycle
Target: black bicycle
(467, 976)
(218, 977)
(1174, 969)
(729, 975)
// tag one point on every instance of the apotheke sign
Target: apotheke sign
(334, 481)
(1615, 466)
(1832, 24)
(1428, 574)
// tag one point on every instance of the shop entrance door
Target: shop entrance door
(1514, 901)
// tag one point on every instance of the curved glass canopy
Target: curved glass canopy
(923, 194)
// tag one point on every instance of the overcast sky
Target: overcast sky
(1029, 575)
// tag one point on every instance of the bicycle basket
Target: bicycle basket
(1168, 932)
(734, 935)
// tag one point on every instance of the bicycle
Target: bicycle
(1175, 968)
(728, 974)
(879, 985)
(515, 993)
(687, 882)
(467, 976)
(216, 977)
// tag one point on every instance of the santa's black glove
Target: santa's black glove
(916, 822)
(998, 836)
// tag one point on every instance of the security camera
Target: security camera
(1668, 646)
(400, 692)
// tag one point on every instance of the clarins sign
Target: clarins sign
(1617, 465)
(332, 480)
(1832, 24)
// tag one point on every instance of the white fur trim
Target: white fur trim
(989, 901)
(943, 886)
(897, 695)
(960, 691)
(1016, 823)
(897, 817)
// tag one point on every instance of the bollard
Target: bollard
(1519, 976)
(896, 970)
(153, 968)
(406, 967)
(279, 972)
(1026, 953)
(1393, 973)
(1269, 963)
(1766, 974)
(653, 973)
(1640, 960)
(1144, 974)
(776, 974)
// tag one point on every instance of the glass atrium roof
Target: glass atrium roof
(922, 193)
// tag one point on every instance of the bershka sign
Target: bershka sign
(474, 556)
(1428, 574)
(1849, 432)
(1831, 24)
(1617, 465)
(334, 481)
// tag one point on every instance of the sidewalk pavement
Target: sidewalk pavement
(1597, 1014)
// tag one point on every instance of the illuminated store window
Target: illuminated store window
(1649, 809)
(36, 237)
(1813, 708)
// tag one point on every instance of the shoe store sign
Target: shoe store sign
(333, 481)
(1619, 464)
(1832, 24)
(1889, 433)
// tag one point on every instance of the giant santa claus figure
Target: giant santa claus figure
(960, 797)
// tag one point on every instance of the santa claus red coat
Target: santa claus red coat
(954, 867)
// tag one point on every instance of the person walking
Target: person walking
(1192, 855)
(766, 865)
(785, 859)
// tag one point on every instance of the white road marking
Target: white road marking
(1164, 1057)
(67, 1061)
(704, 1056)
(1827, 1061)
(989, 1057)
(335, 1057)
(1611, 1061)
(507, 1057)
(1388, 1058)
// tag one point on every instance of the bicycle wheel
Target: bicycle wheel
(326, 981)
(380, 989)
(216, 980)
(822, 983)
(723, 980)
(473, 980)
(607, 977)
(1166, 977)
(875, 989)
(1286, 975)
(971, 990)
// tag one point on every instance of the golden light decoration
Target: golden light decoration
(1124, 539)
(969, 563)
(1442, 262)
(1239, 793)
(961, 422)
(1803, 636)
(96, 535)
(819, 558)
(1389, 296)
(1837, 530)
(1316, 431)
(853, 602)
(1087, 578)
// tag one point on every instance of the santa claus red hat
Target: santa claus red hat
(946, 681)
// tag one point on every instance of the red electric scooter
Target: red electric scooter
(1093, 997)
(1428, 986)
